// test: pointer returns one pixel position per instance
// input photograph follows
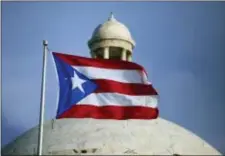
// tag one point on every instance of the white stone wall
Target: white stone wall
(91, 136)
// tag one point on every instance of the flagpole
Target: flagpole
(42, 105)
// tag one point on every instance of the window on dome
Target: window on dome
(99, 53)
(115, 53)
(74, 152)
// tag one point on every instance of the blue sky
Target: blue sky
(181, 45)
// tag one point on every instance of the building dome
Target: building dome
(93, 136)
(111, 38)
(112, 29)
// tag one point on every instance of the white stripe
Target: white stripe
(104, 99)
(125, 76)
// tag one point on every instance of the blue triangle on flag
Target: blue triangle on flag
(74, 86)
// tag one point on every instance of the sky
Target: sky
(181, 45)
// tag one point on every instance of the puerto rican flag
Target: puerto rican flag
(103, 89)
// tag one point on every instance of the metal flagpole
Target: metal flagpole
(42, 105)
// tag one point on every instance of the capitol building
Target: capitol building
(110, 40)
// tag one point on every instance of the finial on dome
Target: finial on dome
(111, 17)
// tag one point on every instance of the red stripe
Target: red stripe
(106, 86)
(110, 112)
(100, 63)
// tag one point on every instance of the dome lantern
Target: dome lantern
(111, 40)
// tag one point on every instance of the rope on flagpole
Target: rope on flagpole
(53, 120)
(57, 98)
(49, 50)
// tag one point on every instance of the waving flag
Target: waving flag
(103, 89)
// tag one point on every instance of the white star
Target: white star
(77, 82)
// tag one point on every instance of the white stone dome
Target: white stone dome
(92, 136)
(111, 29)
